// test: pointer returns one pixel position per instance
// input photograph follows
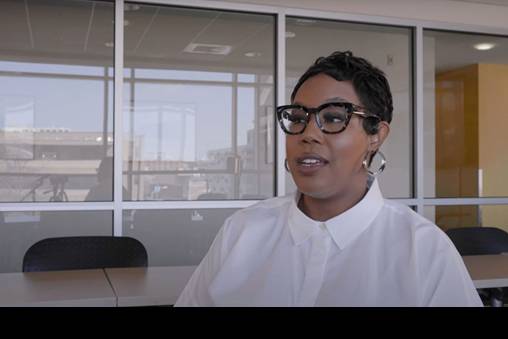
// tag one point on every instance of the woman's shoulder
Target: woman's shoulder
(260, 212)
(421, 230)
(267, 206)
(257, 221)
(405, 214)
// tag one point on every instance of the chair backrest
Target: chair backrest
(84, 252)
(479, 240)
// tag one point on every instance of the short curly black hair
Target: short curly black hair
(369, 82)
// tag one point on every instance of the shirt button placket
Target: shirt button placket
(315, 268)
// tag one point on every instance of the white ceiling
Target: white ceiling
(53, 31)
(78, 32)
(457, 50)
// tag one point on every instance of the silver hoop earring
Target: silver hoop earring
(286, 165)
(381, 167)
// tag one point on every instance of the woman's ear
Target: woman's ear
(377, 139)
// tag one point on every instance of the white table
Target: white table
(149, 286)
(56, 288)
(488, 271)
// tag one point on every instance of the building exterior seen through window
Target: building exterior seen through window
(56, 100)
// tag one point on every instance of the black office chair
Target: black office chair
(84, 252)
(482, 241)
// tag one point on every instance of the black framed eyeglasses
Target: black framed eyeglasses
(331, 118)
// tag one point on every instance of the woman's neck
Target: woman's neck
(322, 209)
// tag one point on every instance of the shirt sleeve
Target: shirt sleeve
(446, 281)
(196, 291)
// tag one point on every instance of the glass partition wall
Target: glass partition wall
(466, 112)
(155, 119)
(197, 104)
(388, 48)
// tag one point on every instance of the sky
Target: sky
(195, 118)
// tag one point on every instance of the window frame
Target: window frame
(417, 26)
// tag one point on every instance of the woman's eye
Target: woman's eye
(333, 117)
(295, 118)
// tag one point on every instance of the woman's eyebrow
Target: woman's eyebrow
(335, 99)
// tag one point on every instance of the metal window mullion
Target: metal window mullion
(409, 202)
(280, 82)
(105, 114)
(257, 129)
(56, 206)
(215, 5)
(131, 156)
(191, 204)
(464, 201)
(419, 119)
(350, 17)
(187, 82)
(234, 136)
(392, 21)
(329, 15)
(23, 74)
(118, 118)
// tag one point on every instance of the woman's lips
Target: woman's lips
(310, 163)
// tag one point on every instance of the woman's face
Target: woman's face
(340, 156)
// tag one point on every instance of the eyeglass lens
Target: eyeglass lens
(331, 119)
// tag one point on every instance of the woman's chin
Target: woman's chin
(313, 191)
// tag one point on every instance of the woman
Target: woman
(336, 242)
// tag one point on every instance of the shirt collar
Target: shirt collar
(343, 228)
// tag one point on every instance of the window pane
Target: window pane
(447, 217)
(20, 230)
(175, 237)
(198, 99)
(55, 100)
(466, 111)
(388, 48)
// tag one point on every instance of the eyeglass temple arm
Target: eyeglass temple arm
(366, 115)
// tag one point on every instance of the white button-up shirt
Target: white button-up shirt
(377, 253)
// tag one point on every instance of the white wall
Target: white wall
(450, 11)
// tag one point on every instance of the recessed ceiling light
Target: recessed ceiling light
(484, 46)
(252, 54)
(109, 44)
(290, 34)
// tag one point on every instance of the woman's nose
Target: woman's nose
(312, 132)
